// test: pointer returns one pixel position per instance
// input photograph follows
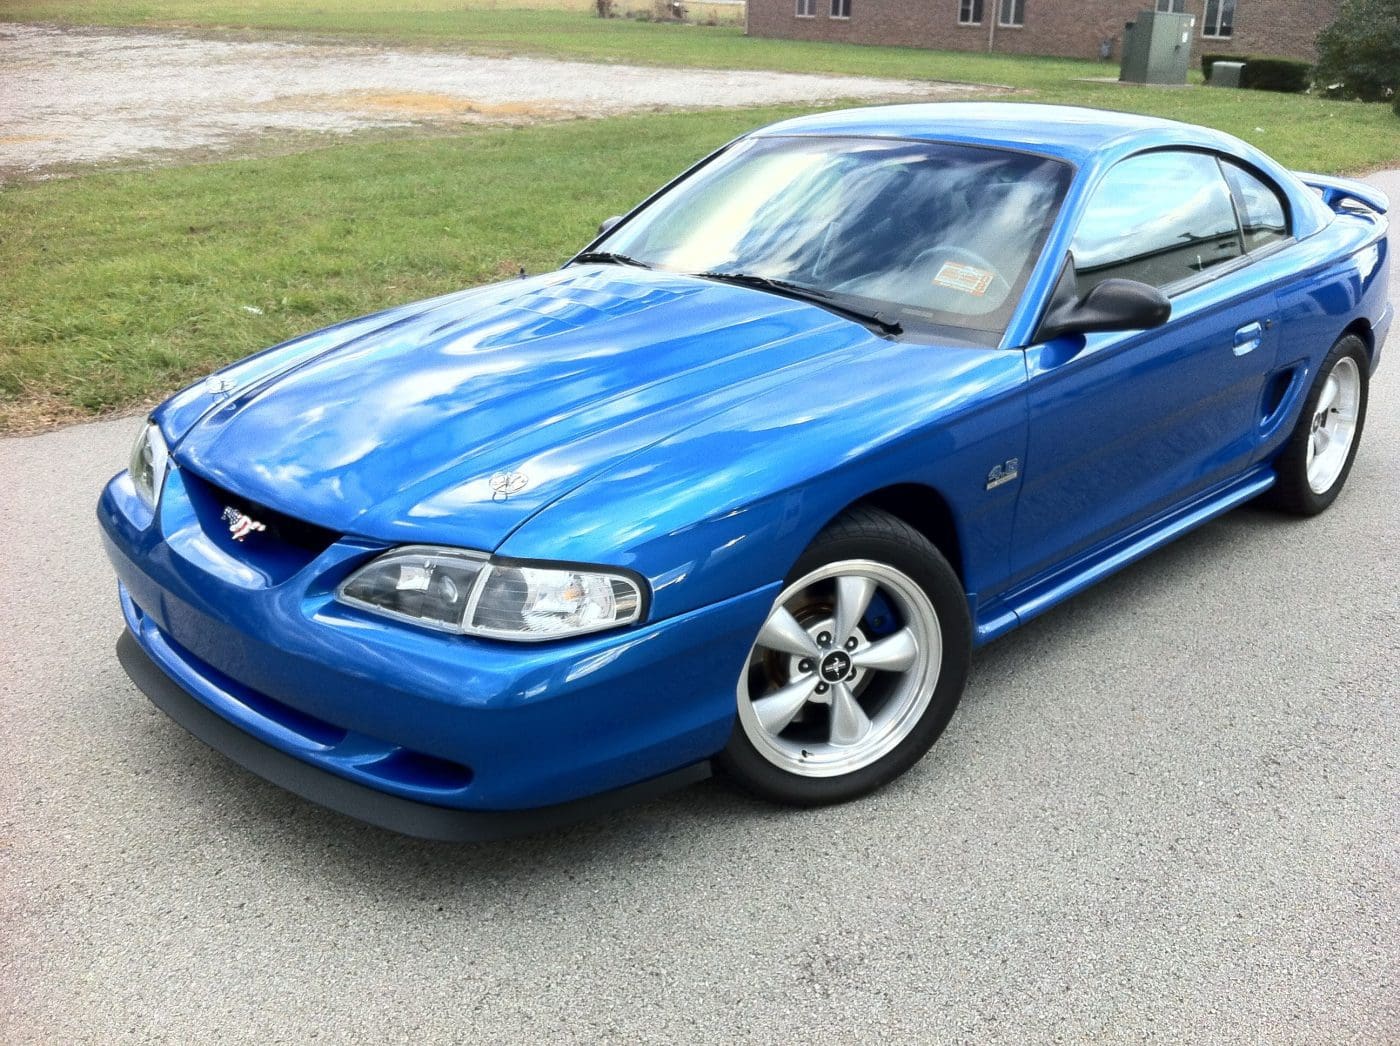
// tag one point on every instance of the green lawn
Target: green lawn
(119, 287)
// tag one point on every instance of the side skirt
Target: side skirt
(1041, 593)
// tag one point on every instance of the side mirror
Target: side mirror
(1113, 305)
(608, 223)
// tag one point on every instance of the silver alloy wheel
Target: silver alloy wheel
(1334, 425)
(815, 650)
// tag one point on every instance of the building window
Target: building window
(1171, 7)
(1220, 19)
(840, 8)
(1012, 13)
(806, 8)
(969, 12)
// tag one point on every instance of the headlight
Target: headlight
(149, 459)
(469, 592)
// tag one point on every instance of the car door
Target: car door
(1123, 425)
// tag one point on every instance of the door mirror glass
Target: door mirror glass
(608, 223)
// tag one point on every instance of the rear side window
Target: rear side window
(1161, 218)
(1261, 210)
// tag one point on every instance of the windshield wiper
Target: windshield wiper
(610, 258)
(827, 301)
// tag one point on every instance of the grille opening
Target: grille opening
(287, 529)
(284, 531)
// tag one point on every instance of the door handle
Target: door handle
(1248, 338)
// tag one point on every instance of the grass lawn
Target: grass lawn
(119, 287)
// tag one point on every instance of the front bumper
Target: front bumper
(446, 722)
(368, 804)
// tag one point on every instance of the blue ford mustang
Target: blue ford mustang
(743, 483)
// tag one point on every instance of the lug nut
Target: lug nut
(821, 688)
(824, 638)
(805, 665)
(852, 643)
(852, 675)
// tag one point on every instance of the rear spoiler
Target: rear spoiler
(1336, 191)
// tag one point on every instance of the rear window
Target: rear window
(1262, 214)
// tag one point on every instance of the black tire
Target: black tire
(870, 534)
(1292, 492)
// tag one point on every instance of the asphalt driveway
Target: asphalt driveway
(1166, 811)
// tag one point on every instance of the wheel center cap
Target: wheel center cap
(836, 666)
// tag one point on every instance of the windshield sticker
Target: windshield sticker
(966, 278)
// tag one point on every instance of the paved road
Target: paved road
(1165, 812)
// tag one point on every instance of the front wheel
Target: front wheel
(857, 669)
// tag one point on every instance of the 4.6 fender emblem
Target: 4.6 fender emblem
(1003, 473)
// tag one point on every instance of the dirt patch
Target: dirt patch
(425, 105)
(80, 96)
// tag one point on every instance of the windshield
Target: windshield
(930, 233)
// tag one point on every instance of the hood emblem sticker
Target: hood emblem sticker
(240, 524)
(218, 386)
(504, 484)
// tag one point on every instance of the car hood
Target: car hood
(455, 420)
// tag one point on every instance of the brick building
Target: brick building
(1070, 28)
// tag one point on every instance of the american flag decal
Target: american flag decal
(240, 524)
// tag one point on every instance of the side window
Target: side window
(1160, 218)
(1262, 214)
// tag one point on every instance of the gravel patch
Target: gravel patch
(90, 96)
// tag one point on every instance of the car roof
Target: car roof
(1068, 132)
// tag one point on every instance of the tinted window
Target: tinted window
(1160, 218)
(1260, 208)
(937, 234)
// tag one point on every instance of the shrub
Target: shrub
(1276, 74)
(1396, 103)
(1265, 73)
(1358, 55)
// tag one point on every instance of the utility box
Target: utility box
(1226, 74)
(1157, 48)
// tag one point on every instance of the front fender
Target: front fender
(729, 504)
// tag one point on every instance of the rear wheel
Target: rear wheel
(857, 669)
(1316, 460)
